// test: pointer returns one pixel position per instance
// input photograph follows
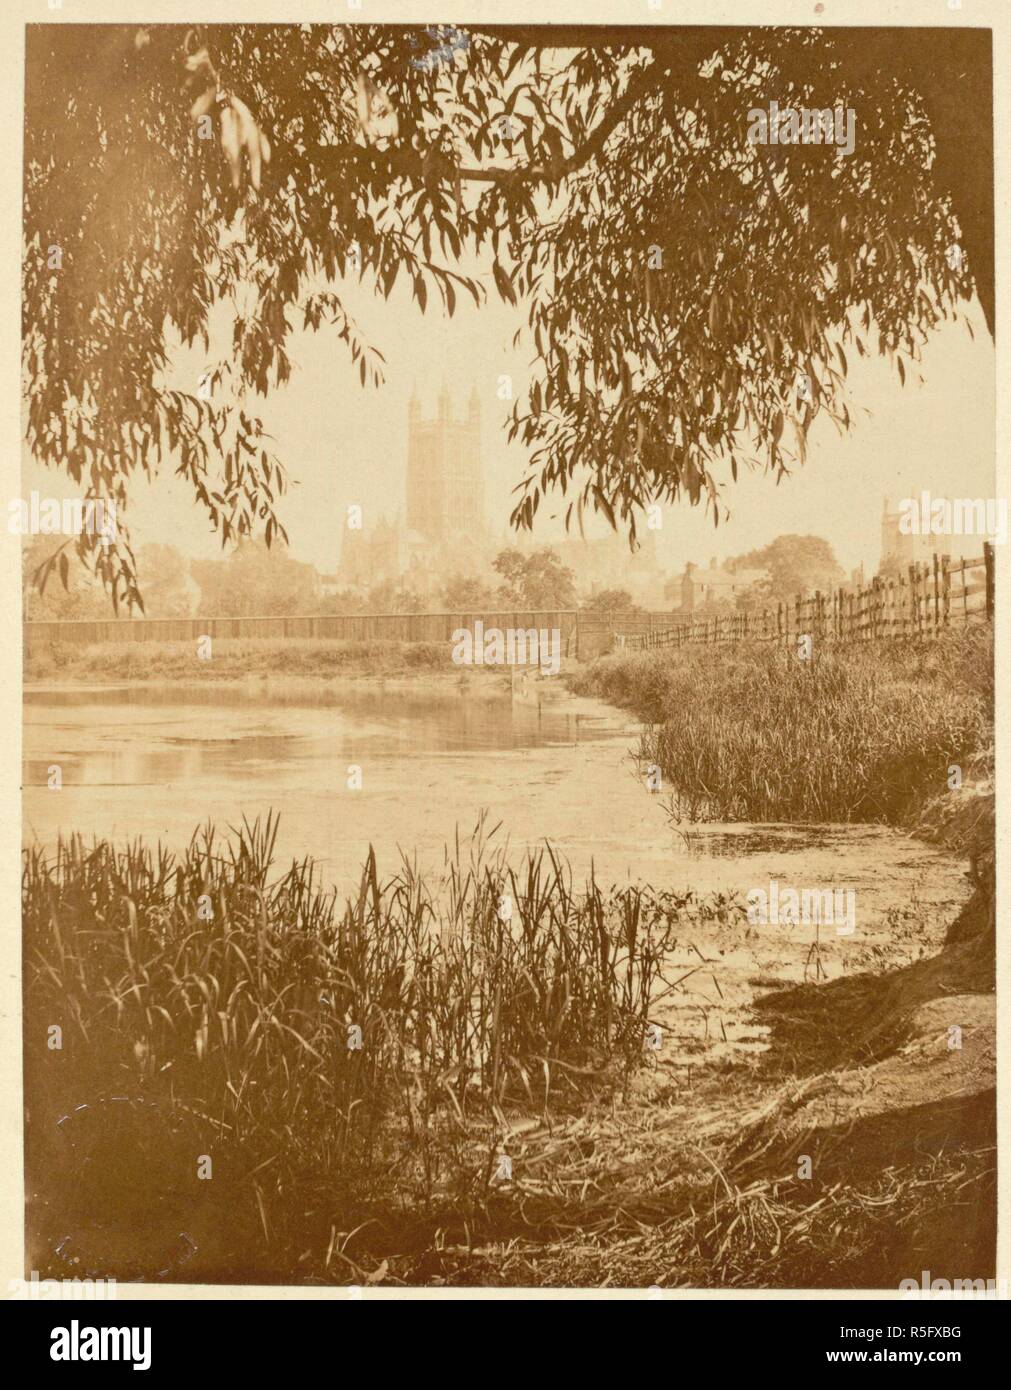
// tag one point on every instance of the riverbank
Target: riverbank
(563, 1079)
(501, 1077)
(880, 1086)
(864, 731)
(279, 663)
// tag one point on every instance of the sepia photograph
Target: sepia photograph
(509, 521)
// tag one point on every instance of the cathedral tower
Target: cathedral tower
(445, 479)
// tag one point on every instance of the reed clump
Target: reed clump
(340, 1062)
(861, 731)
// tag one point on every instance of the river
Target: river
(157, 761)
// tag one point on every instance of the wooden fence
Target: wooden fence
(920, 603)
(927, 599)
(582, 634)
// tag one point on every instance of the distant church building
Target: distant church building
(899, 549)
(445, 533)
(445, 481)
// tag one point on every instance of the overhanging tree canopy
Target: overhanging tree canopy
(679, 282)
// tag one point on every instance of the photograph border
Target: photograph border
(993, 14)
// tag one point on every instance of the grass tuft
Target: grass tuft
(861, 732)
(209, 1007)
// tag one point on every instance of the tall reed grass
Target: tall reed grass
(208, 1008)
(861, 732)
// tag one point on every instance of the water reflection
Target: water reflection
(157, 762)
(153, 736)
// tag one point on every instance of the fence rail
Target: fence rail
(924, 601)
(582, 634)
(927, 599)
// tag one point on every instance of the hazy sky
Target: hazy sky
(346, 444)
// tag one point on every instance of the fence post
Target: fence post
(888, 605)
(988, 561)
(904, 603)
(912, 601)
(893, 605)
(875, 608)
(871, 608)
(946, 590)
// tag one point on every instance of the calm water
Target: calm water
(156, 762)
